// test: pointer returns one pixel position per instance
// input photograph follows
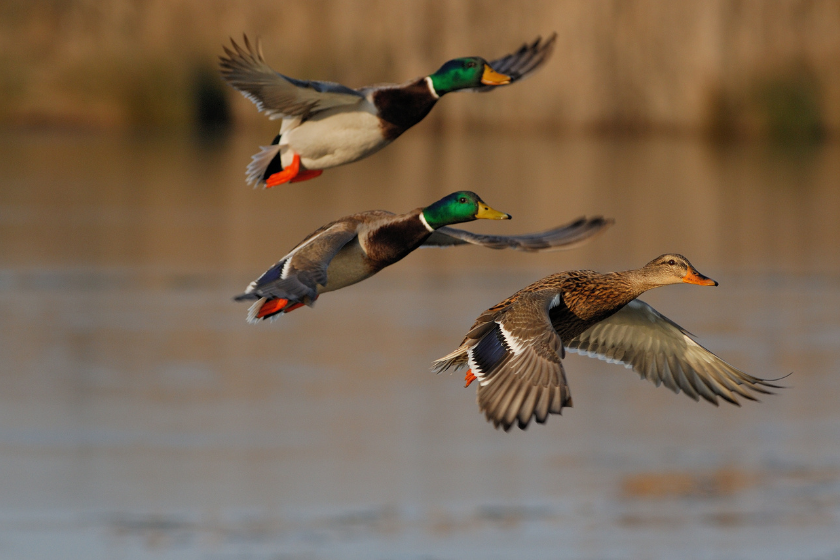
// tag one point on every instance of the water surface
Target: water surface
(141, 417)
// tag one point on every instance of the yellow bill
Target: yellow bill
(487, 213)
(493, 78)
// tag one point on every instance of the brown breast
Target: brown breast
(588, 297)
(402, 107)
(387, 243)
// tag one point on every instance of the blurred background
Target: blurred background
(141, 417)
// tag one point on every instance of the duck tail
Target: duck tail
(456, 359)
(263, 308)
(263, 165)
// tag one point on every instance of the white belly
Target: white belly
(334, 138)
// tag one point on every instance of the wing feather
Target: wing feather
(298, 274)
(522, 62)
(566, 236)
(517, 364)
(656, 348)
(277, 95)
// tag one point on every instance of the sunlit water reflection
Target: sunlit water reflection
(140, 416)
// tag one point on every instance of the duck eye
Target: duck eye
(672, 262)
(471, 64)
(463, 200)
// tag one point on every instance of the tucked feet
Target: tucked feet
(469, 378)
(292, 171)
(306, 175)
(271, 307)
(275, 306)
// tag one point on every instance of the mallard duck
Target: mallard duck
(356, 247)
(325, 124)
(514, 348)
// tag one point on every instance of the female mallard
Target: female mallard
(356, 247)
(325, 124)
(514, 348)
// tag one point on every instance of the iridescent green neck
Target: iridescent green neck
(462, 206)
(441, 85)
(438, 215)
(452, 209)
(456, 74)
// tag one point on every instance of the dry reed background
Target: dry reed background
(730, 67)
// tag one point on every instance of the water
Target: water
(141, 417)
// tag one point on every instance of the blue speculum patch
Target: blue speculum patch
(490, 350)
(271, 274)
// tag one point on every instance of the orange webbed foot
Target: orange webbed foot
(298, 305)
(469, 378)
(279, 305)
(306, 175)
(270, 307)
(286, 175)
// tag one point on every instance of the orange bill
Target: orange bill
(694, 277)
(493, 78)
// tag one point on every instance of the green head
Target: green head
(463, 206)
(463, 73)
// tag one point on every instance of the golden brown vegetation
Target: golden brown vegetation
(726, 67)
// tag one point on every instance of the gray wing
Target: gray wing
(297, 275)
(656, 348)
(562, 237)
(518, 365)
(523, 62)
(275, 94)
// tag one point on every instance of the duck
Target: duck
(354, 248)
(325, 124)
(514, 349)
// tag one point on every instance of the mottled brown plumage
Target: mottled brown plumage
(514, 348)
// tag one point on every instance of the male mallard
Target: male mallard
(514, 348)
(327, 124)
(356, 247)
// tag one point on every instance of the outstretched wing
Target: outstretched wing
(562, 237)
(275, 94)
(641, 338)
(523, 62)
(297, 275)
(514, 356)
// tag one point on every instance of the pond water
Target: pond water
(142, 417)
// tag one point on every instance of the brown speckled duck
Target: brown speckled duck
(515, 347)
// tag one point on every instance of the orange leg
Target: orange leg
(469, 378)
(270, 307)
(279, 305)
(306, 175)
(286, 175)
(297, 305)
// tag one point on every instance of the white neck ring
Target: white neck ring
(425, 223)
(432, 87)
